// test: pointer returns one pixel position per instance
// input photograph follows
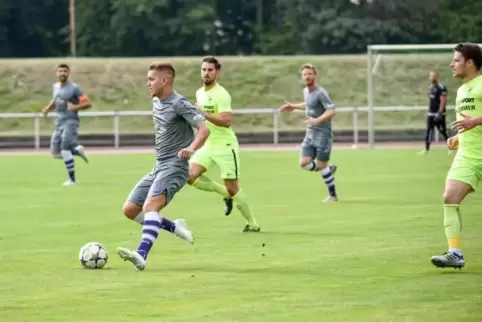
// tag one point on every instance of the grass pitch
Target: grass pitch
(365, 258)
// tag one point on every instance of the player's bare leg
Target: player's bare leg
(152, 225)
(327, 171)
(133, 212)
(198, 180)
(455, 192)
(238, 196)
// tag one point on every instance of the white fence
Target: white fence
(275, 112)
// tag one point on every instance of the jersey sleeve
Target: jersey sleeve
(224, 102)
(79, 93)
(443, 90)
(326, 100)
(189, 112)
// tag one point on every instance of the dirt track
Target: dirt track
(261, 147)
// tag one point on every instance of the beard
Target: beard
(208, 81)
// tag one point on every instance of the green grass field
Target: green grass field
(365, 258)
(254, 82)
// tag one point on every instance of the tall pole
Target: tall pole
(72, 36)
(371, 113)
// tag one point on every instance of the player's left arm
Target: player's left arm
(195, 118)
(330, 111)
(443, 99)
(466, 122)
(84, 101)
(225, 115)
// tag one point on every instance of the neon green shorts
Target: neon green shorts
(226, 158)
(466, 170)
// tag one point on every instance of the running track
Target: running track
(260, 147)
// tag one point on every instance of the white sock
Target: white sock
(311, 166)
(457, 251)
(329, 180)
(69, 163)
(140, 218)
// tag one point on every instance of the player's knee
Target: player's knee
(304, 162)
(195, 171)
(454, 194)
(155, 203)
(56, 155)
(448, 198)
(191, 178)
(131, 210)
(321, 164)
(232, 188)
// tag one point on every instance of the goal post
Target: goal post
(380, 55)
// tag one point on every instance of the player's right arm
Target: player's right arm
(50, 106)
(288, 107)
(224, 117)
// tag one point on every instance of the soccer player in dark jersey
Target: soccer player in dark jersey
(437, 94)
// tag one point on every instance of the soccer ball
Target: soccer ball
(93, 255)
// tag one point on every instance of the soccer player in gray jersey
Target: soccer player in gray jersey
(316, 146)
(67, 99)
(174, 118)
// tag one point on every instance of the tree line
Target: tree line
(113, 28)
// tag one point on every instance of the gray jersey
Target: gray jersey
(174, 118)
(316, 103)
(70, 92)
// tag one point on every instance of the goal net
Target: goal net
(398, 85)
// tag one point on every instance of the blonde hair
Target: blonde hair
(308, 66)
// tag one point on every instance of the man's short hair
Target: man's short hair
(63, 66)
(470, 51)
(308, 66)
(212, 60)
(163, 67)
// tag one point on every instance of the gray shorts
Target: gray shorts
(165, 179)
(64, 137)
(316, 145)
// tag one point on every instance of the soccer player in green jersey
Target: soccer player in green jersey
(466, 170)
(221, 148)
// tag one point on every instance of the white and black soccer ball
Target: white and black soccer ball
(93, 255)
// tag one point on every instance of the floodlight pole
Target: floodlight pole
(72, 35)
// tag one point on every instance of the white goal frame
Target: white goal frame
(372, 66)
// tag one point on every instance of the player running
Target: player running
(221, 148)
(437, 94)
(466, 170)
(316, 146)
(175, 142)
(67, 99)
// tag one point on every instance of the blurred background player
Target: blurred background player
(437, 94)
(67, 99)
(221, 148)
(316, 146)
(466, 170)
(174, 119)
